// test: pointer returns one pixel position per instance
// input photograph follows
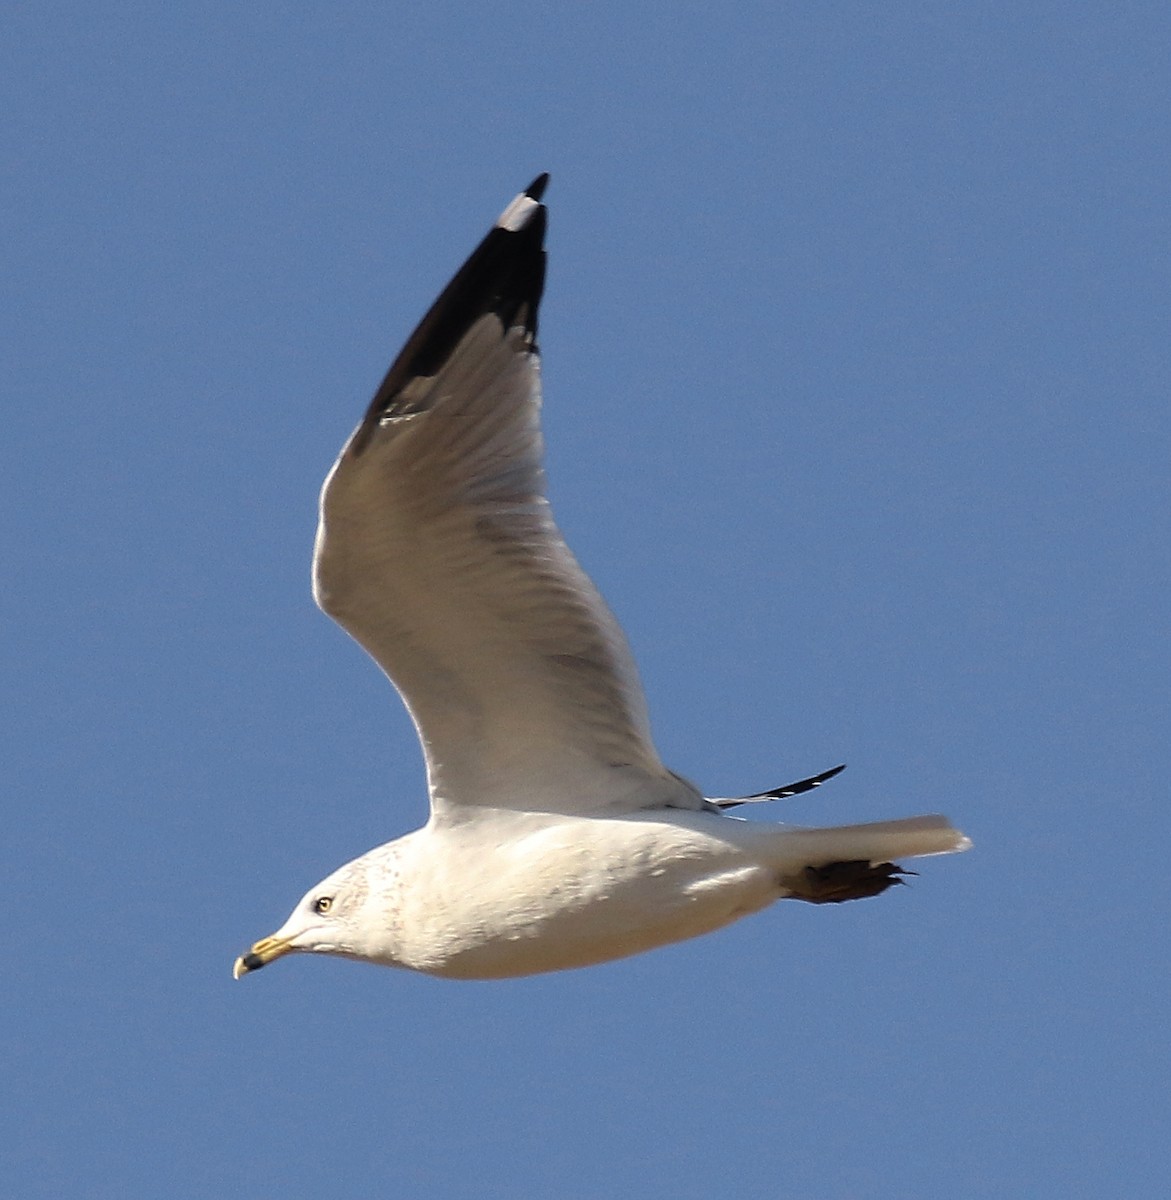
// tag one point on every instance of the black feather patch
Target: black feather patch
(505, 275)
(784, 792)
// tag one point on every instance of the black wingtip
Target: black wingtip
(802, 785)
(789, 789)
(814, 781)
(504, 275)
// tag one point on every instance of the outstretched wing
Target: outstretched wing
(437, 551)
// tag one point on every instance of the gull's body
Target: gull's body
(557, 838)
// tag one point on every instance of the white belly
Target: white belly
(555, 892)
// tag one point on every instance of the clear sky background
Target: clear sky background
(856, 351)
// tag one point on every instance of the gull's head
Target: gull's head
(335, 917)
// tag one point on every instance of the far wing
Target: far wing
(781, 793)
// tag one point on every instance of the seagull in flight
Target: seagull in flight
(556, 838)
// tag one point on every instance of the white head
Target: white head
(347, 913)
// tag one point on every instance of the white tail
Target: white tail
(880, 841)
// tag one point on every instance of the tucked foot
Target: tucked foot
(835, 882)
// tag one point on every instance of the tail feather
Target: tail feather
(877, 842)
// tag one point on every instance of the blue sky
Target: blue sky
(856, 367)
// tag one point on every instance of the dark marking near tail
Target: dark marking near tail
(834, 882)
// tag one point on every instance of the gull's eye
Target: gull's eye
(323, 904)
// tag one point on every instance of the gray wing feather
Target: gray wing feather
(438, 552)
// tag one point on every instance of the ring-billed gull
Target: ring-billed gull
(556, 838)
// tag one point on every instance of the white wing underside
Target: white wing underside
(437, 551)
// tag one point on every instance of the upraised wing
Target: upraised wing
(437, 551)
